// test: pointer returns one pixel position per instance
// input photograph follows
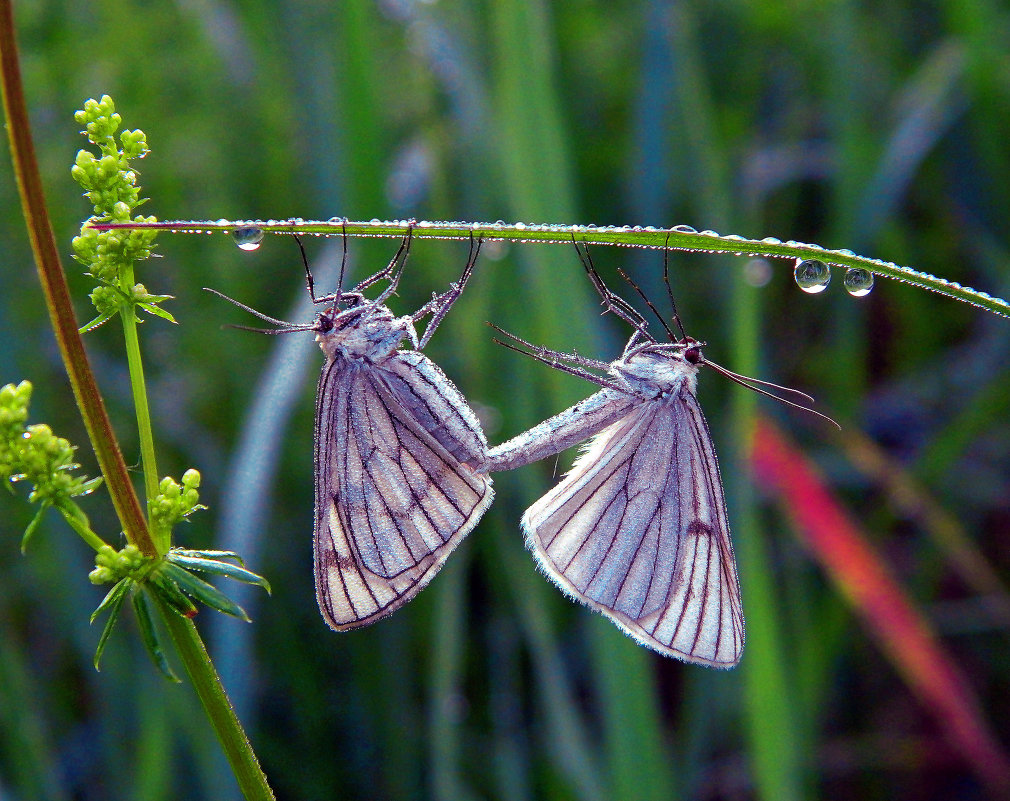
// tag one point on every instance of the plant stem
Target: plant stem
(207, 683)
(57, 294)
(139, 387)
(82, 529)
(687, 240)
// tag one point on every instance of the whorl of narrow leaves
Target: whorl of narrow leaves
(172, 580)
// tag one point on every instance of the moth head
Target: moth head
(692, 351)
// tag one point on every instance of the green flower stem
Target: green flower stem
(207, 683)
(57, 294)
(139, 386)
(76, 520)
(689, 240)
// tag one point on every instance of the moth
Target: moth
(396, 449)
(637, 529)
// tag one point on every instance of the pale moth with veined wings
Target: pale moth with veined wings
(396, 450)
(637, 529)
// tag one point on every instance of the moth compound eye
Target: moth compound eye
(324, 323)
(693, 355)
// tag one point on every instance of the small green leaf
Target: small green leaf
(101, 319)
(113, 596)
(150, 636)
(209, 554)
(170, 593)
(150, 308)
(89, 486)
(200, 590)
(33, 526)
(114, 603)
(218, 568)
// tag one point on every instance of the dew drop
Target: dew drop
(812, 275)
(247, 237)
(858, 282)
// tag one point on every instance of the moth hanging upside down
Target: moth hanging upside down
(637, 529)
(396, 449)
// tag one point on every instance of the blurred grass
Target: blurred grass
(880, 129)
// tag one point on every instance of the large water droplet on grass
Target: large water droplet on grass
(248, 237)
(858, 282)
(812, 275)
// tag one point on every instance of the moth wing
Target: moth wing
(434, 402)
(638, 531)
(391, 501)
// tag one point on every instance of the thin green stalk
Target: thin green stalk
(190, 647)
(139, 387)
(674, 238)
(83, 531)
(207, 683)
(57, 294)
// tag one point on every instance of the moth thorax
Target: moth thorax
(372, 337)
(655, 373)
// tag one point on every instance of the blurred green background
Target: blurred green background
(878, 128)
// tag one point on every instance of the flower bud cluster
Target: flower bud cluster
(33, 453)
(175, 502)
(112, 565)
(110, 183)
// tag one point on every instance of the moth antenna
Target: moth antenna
(285, 330)
(756, 384)
(779, 387)
(283, 324)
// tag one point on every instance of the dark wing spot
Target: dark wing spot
(345, 562)
(327, 558)
(698, 529)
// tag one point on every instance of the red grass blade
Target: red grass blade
(867, 583)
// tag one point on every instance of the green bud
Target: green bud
(108, 166)
(112, 565)
(101, 575)
(107, 299)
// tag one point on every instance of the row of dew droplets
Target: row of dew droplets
(813, 276)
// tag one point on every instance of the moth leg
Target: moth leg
(391, 271)
(439, 305)
(558, 360)
(611, 301)
(309, 283)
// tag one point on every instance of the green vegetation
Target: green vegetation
(877, 627)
